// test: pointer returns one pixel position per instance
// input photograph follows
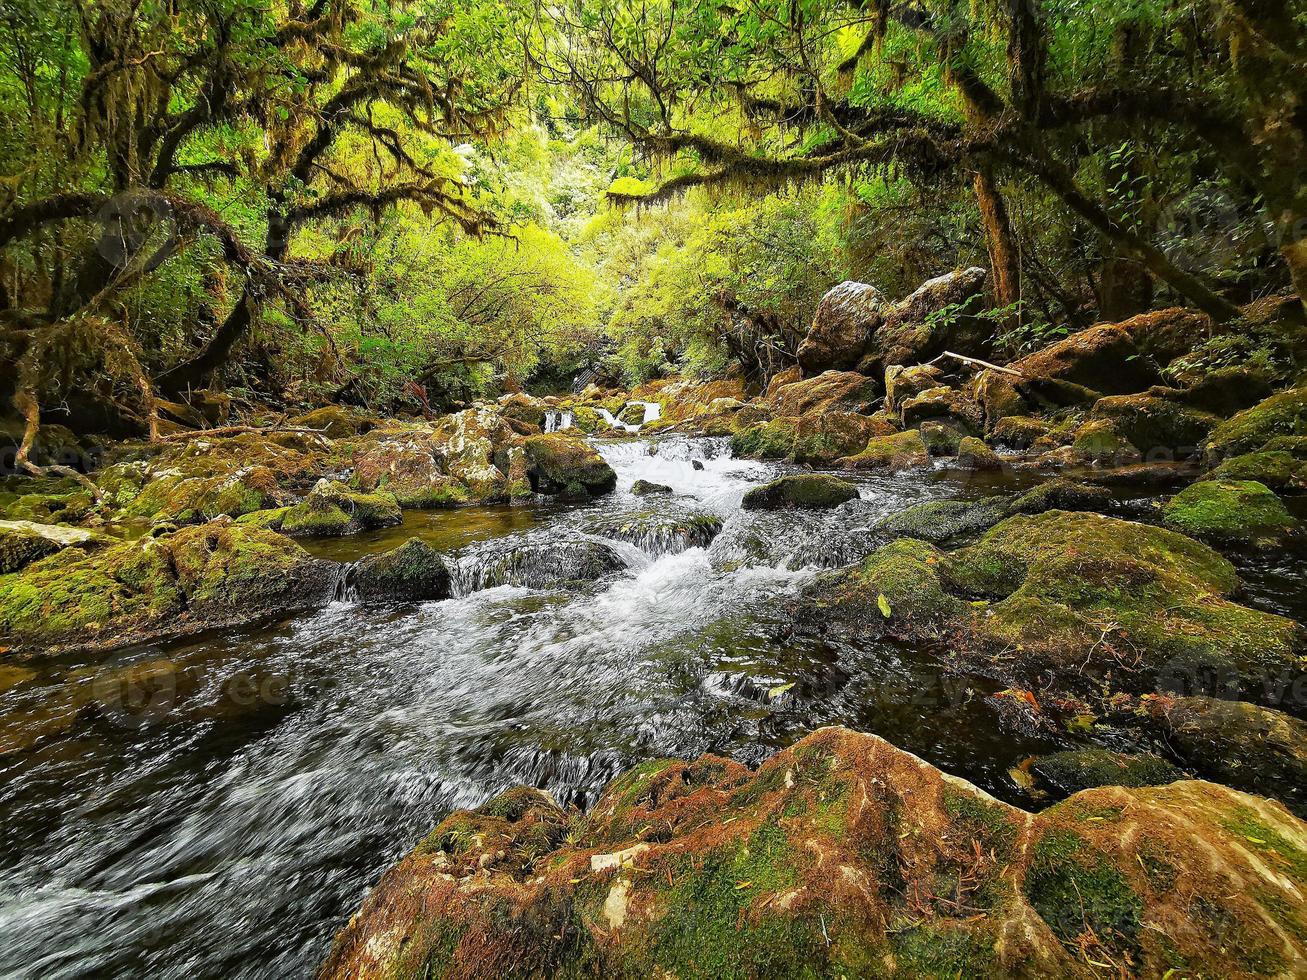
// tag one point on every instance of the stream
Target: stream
(229, 827)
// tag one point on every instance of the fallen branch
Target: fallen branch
(984, 364)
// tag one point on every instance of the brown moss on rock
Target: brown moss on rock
(1104, 358)
(803, 491)
(561, 464)
(840, 856)
(1284, 414)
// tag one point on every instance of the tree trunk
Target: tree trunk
(1003, 262)
(1124, 289)
(195, 372)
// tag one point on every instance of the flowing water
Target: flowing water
(228, 820)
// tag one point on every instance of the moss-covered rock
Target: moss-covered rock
(1019, 431)
(1072, 771)
(891, 453)
(1156, 425)
(1230, 512)
(841, 856)
(1247, 746)
(176, 498)
(1281, 465)
(938, 521)
(412, 572)
(941, 438)
(537, 565)
(833, 391)
(1081, 597)
(1284, 414)
(211, 575)
(336, 421)
(562, 464)
(805, 491)
(973, 454)
(824, 437)
(902, 383)
(1104, 358)
(943, 404)
(643, 488)
(773, 439)
(1061, 494)
(24, 542)
(1099, 441)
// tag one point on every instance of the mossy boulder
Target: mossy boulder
(643, 488)
(1099, 441)
(901, 451)
(214, 574)
(821, 438)
(833, 391)
(938, 521)
(562, 464)
(1019, 431)
(841, 327)
(24, 542)
(412, 572)
(902, 383)
(941, 438)
(943, 404)
(803, 491)
(1281, 465)
(840, 856)
(1225, 391)
(773, 439)
(336, 421)
(175, 498)
(1284, 414)
(1071, 771)
(1156, 425)
(534, 564)
(1247, 746)
(1104, 358)
(973, 454)
(1230, 512)
(1079, 597)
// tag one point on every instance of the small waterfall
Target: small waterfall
(557, 421)
(653, 411)
(614, 422)
(532, 565)
(343, 587)
(658, 535)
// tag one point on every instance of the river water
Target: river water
(227, 825)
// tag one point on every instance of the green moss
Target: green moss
(899, 451)
(906, 573)
(1284, 414)
(1279, 470)
(938, 521)
(1266, 841)
(769, 440)
(1074, 890)
(806, 491)
(939, 951)
(316, 518)
(986, 821)
(563, 464)
(1073, 771)
(1230, 512)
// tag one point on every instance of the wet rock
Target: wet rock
(973, 454)
(1103, 358)
(1156, 425)
(369, 510)
(408, 463)
(23, 542)
(1252, 748)
(1061, 494)
(1230, 512)
(802, 868)
(1284, 414)
(833, 391)
(176, 498)
(215, 574)
(1070, 772)
(1281, 465)
(938, 521)
(560, 464)
(1019, 431)
(659, 534)
(941, 438)
(525, 409)
(808, 492)
(890, 453)
(643, 488)
(1099, 441)
(902, 383)
(780, 379)
(943, 404)
(413, 572)
(933, 319)
(841, 327)
(535, 565)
